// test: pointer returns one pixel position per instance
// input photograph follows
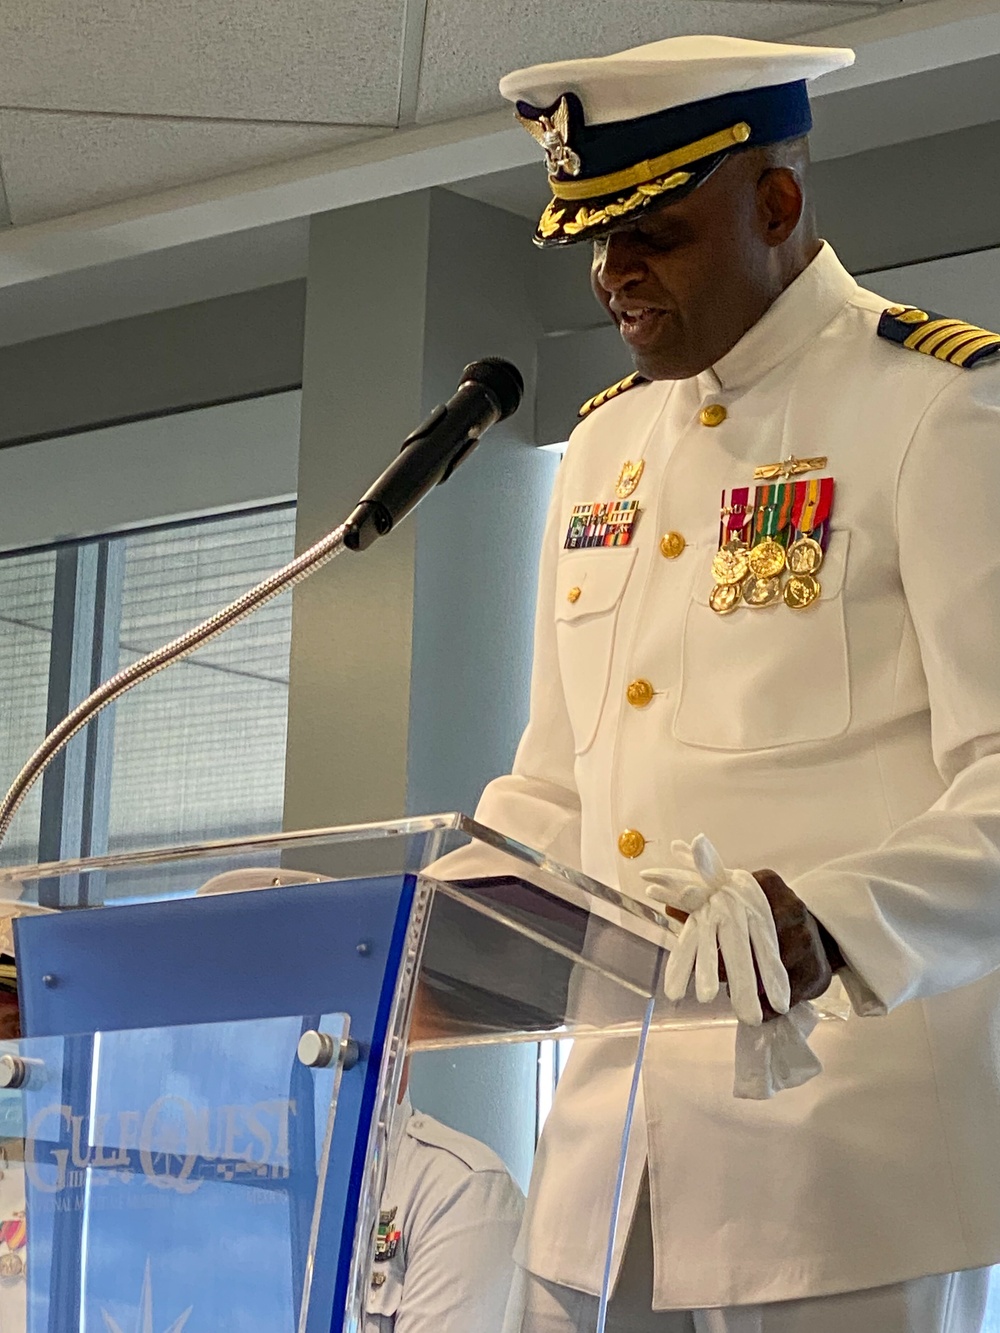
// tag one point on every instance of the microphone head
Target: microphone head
(501, 378)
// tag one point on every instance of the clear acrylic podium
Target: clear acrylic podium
(196, 1123)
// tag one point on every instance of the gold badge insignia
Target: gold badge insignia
(628, 479)
(788, 467)
(552, 132)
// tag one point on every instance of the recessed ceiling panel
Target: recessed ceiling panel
(56, 164)
(469, 44)
(303, 60)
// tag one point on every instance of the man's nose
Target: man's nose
(618, 262)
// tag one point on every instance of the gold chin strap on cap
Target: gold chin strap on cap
(644, 172)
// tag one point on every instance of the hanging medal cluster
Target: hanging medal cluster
(772, 541)
(13, 1235)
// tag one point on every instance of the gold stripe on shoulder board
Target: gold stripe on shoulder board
(952, 340)
(605, 396)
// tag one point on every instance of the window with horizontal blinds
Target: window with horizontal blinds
(195, 753)
(199, 750)
(26, 595)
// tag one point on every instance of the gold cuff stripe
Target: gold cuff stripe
(988, 340)
(642, 172)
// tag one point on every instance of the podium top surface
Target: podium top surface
(448, 849)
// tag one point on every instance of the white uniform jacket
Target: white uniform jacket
(457, 1212)
(853, 746)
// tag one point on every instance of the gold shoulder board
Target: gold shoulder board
(950, 340)
(605, 396)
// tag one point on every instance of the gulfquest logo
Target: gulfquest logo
(171, 1144)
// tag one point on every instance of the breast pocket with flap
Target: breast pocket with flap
(769, 676)
(589, 590)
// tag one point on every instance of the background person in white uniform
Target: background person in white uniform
(821, 697)
(450, 1217)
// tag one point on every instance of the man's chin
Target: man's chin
(662, 365)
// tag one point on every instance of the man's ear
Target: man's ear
(780, 203)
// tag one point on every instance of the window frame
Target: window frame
(86, 621)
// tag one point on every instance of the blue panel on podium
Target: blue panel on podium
(229, 956)
(287, 951)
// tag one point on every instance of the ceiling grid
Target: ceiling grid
(157, 154)
(106, 100)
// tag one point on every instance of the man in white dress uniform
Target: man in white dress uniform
(769, 611)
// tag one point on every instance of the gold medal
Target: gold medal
(724, 597)
(762, 592)
(801, 590)
(11, 1265)
(805, 556)
(767, 559)
(628, 479)
(731, 563)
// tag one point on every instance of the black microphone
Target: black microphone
(490, 391)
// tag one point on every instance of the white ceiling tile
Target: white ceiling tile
(469, 44)
(336, 61)
(54, 164)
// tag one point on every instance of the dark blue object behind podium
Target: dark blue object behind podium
(283, 951)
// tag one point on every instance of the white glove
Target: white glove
(728, 913)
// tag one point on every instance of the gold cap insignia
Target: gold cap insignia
(552, 132)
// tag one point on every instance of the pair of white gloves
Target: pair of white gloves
(728, 914)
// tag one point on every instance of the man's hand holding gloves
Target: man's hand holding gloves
(776, 957)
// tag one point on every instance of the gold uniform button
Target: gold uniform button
(640, 693)
(574, 594)
(713, 415)
(631, 844)
(671, 545)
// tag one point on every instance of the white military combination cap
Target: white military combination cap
(643, 128)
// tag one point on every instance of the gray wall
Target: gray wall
(410, 662)
(478, 537)
(231, 456)
(193, 355)
(913, 201)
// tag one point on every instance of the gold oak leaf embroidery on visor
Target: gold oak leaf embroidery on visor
(552, 220)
